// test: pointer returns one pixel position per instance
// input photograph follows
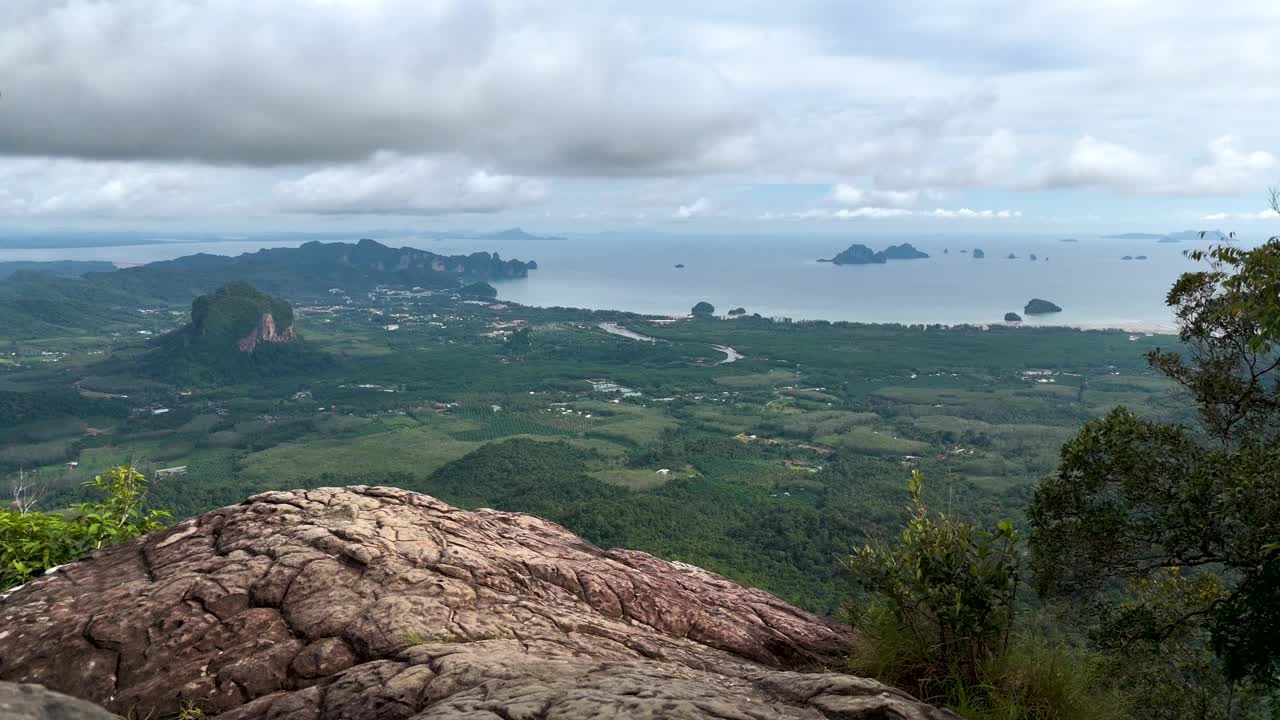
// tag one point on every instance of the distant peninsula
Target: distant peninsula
(1036, 306)
(858, 254)
(1172, 237)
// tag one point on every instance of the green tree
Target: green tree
(703, 309)
(520, 343)
(1184, 518)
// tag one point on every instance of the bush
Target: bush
(942, 626)
(32, 542)
(950, 588)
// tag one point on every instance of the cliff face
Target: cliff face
(368, 602)
(265, 331)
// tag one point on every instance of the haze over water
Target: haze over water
(780, 276)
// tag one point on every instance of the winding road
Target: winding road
(730, 355)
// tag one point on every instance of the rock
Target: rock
(32, 702)
(369, 602)
(265, 332)
(1036, 306)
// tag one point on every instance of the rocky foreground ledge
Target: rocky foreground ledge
(370, 602)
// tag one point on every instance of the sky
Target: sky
(794, 116)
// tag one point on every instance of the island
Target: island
(977, 253)
(531, 265)
(905, 251)
(679, 266)
(738, 311)
(1012, 317)
(1033, 257)
(1011, 257)
(1068, 240)
(858, 254)
(1036, 306)
(1140, 257)
(1127, 257)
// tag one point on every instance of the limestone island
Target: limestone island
(1040, 307)
(1012, 317)
(1127, 257)
(977, 253)
(858, 254)
(679, 266)
(1012, 257)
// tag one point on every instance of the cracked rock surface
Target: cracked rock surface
(366, 603)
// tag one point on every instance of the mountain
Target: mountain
(234, 330)
(375, 602)
(66, 268)
(37, 304)
(309, 271)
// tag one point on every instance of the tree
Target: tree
(520, 343)
(703, 309)
(26, 491)
(1185, 516)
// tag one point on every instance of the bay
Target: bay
(780, 276)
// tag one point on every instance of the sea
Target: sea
(781, 276)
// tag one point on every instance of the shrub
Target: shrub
(32, 542)
(942, 626)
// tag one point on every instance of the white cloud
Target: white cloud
(1098, 163)
(1227, 169)
(885, 213)
(393, 184)
(1267, 214)
(697, 208)
(853, 196)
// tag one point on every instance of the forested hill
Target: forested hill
(310, 271)
(40, 299)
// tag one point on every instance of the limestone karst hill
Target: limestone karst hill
(372, 602)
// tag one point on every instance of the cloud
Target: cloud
(852, 196)
(45, 187)
(1098, 163)
(396, 185)
(531, 87)
(697, 208)
(1230, 170)
(1267, 214)
(885, 213)
(136, 108)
